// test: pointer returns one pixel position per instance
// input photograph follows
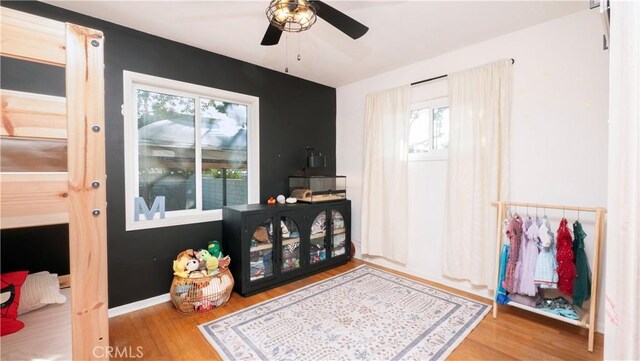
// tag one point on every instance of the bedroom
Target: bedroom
(560, 107)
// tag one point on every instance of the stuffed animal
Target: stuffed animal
(192, 265)
(179, 268)
(212, 265)
(203, 306)
(284, 230)
(215, 249)
(197, 274)
(185, 254)
(187, 264)
(261, 234)
(210, 262)
(223, 263)
(202, 256)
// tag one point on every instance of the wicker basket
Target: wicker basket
(204, 294)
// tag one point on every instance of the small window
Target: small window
(192, 146)
(429, 130)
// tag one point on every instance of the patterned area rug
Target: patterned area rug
(363, 314)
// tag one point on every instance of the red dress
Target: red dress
(566, 267)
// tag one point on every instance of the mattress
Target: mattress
(46, 334)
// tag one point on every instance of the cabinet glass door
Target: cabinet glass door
(317, 250)
(290, 244)
(338, 234)
(261, 251)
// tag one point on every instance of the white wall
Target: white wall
(558, 137)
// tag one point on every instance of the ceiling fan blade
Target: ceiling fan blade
(339, 20)
(272, 36)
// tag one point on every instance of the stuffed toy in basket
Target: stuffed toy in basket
(202, 281)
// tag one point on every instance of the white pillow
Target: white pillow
(40, 289)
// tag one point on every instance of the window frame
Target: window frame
(137, 81)
(433, 154)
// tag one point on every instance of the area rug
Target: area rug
(362, 314)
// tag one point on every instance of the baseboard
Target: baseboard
(480, 292)
(138, 305)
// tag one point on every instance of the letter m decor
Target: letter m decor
(140, 206)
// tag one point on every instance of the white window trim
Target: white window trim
(437, 154)
(134, 81)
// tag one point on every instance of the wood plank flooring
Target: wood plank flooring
(164, 334)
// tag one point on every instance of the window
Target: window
(195, 146)
(429, 130)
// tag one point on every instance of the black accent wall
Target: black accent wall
(294, 113)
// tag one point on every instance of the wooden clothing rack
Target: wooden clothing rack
(587, 321)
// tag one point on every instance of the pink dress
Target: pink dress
(514, 232)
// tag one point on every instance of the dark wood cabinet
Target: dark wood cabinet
(272, 245)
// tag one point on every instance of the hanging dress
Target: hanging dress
(501, 293)
(523, 246)
(546, 275)
(566, 267)
(530, 256)
(514, 232)
(582, 283)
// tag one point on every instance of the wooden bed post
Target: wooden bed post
(87, 192)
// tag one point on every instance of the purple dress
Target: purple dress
(523, 245)
(530, 257)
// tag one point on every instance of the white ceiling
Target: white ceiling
(400, 32)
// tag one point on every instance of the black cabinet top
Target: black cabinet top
(280, 207)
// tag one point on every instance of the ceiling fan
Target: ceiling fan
(299, 15)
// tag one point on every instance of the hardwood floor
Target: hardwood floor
(164, 334)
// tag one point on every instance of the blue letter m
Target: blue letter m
(140, 206)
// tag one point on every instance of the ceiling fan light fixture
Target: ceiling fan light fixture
(291, 15)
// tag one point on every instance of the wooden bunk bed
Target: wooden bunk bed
(75, 195)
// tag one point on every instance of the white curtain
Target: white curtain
(622, 302)
(384, 194)
(479, 103)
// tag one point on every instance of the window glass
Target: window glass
(166, 149)
(189, 151)
(419, 140)
(224, 153)
(440, 128)
(428, 130)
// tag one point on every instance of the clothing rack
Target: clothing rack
(587, 321)
(441, 76)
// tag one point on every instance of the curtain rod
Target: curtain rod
(442, 76)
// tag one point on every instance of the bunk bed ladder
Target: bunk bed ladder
(77, 196)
